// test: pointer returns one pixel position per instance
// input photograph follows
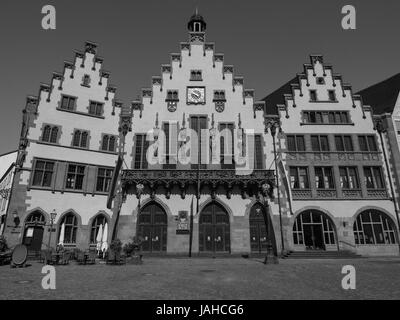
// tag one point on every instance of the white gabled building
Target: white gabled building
(197, 91)
(334, 161)
(68, 148)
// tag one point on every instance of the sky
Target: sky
(266, 41)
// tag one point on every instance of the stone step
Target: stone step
(321, 255)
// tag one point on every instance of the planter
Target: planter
(134, 260)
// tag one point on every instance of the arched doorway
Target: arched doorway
(33, 232)
(258, 230)
(214, 230)
(314, 230)
(374, 227)
(152, 227)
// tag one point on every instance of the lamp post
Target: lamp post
(53, 216)
(273, 124)
(267, 191)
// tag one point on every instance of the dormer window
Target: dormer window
(196, 75)
(86, 80)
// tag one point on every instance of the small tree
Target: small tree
(116, 246)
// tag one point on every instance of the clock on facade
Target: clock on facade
(196, 95)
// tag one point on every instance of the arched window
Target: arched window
(108, 143)
(374, 227)
(314, 230)
(100, 220)
(104, 145)
(80, 139)
(54, 135)
(77, 138)
(70, 228)
(111, 146)
(46, 134)
(84, 139)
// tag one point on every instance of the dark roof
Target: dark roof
(277, 97)
(382, 96)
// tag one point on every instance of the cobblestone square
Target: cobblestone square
(204, 278)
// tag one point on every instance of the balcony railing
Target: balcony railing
(352, 193)
(301, 194)
(377, 193)
(326, 193)
(249, 181)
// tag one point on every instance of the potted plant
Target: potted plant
(131, 249)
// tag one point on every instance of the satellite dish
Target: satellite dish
(19, 255)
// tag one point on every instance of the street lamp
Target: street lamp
(53, 216)
(273, 124)
(267, 191)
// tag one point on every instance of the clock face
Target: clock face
(196, 95)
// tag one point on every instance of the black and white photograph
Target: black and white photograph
(199, 154)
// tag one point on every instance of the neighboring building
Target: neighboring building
(197, 91)
(7, 165)
(333, 157)
(67, 151)
(384, 98)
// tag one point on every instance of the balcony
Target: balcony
(250, 182)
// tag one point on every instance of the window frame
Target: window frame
(330, 180)
(71, 240)
(97, 105)
(319, 136)
(81, 140)
(372, 171)
(73, 98)
(342, 138)
(107, 136)
(106, 179)
(386, 224)
(75, 174)
(35, 169)
(367, 138)
(296, 138)
(357, 178)
(196, 75)
(143, 164)
(306, 184)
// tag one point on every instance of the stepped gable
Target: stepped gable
(280, 98)
(176, 60)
